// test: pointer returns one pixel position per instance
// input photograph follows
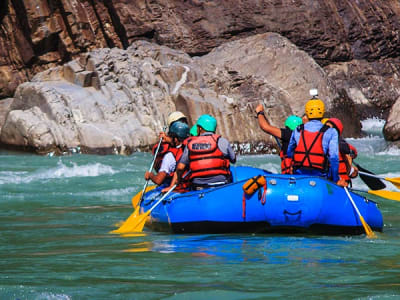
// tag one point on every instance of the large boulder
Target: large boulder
(391, 130)
(116, 101)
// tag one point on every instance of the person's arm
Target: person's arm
(292, 145)
(156, 178)
(226, 149)
(332, 149)
(264, 123)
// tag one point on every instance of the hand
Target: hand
(166, 189)
(342, 182)
(259, 108)
(354, 172)
(162, 135)
(147, 175)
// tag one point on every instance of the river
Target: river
(56, 214)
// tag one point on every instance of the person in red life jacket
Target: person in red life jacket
(175, 116)
(207, 156)
(347, 152)
(178, 132)
(283, 134)
(314, 146)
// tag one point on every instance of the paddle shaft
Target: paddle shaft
(150, 169)
(367, 229)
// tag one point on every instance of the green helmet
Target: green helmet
(293, 121)
(207, 122)
(179, 129)
(193, 130)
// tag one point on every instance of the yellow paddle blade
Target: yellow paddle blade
(368, 230)
(127, 224)
(136, 198)
(395, 181)
(134, 223)
(386, 194)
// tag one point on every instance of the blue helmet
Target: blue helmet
(179, 129)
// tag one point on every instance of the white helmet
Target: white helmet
(175, 116)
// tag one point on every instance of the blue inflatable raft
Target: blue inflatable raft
(292, 204)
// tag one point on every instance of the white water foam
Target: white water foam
(60, 171)
(373, 126)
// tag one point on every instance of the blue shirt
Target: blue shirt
(330, 145)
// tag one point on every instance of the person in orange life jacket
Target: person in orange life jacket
(314, 144)
(175, 116)
(347, 152)
(183, 186)
(283, 134)
(207, 156)
(178, 132)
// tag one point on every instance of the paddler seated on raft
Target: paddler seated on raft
(177, 133)
(207, 156)
(283, 134)
(314, 146)
(347, 152)
(175, 116)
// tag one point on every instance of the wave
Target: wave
(372, 126)
(60, 171)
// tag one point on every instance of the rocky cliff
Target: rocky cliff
(355, 42)
(116, 101)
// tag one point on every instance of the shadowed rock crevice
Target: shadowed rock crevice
(119, 28)
(109, 41)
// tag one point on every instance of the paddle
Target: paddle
(395, 181)
(371, 181)
(131, 218)
(368, 230)
(395, 196)
(150, 169)
(136, 223)
(137, 197)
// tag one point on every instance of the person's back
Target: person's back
(312, 145)
(207, 156)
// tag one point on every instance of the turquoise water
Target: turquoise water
(56, 214)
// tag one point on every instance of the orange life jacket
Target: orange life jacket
(286, 163)
(309, 153)
(205, 158)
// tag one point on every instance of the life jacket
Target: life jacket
(344, 167)
(164, 149)
(286, 162)
(205, 158)
(309, 153)
(185, 182)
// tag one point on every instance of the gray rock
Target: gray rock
(117, 101)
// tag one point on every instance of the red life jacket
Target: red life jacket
(344, 167)
(309, 152)
(205, 158)
(286, 163)
(164, 148)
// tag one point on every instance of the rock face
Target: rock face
(357, 42)
(116, 101)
